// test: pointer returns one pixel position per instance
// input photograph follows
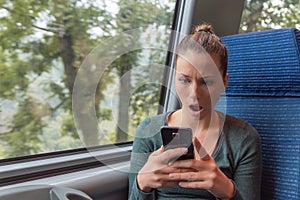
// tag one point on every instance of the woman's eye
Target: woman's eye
(206, 82)
(209, 82)
(184, 81)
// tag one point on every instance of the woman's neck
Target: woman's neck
(197, 125)
(206, 130)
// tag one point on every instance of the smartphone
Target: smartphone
(174, 137)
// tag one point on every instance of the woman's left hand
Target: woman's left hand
(203, 172)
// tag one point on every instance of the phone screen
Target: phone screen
(174, 137)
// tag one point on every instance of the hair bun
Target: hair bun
(204, 27)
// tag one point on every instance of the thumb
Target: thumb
(201, 152)
(159, 151)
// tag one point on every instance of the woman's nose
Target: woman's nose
(194, 91)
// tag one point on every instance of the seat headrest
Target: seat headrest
(265, 63)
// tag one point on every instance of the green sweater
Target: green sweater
(238, 155)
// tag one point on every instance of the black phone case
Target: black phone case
(174, 137)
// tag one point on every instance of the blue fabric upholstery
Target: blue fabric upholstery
(264, 89)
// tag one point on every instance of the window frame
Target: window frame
(28, 168)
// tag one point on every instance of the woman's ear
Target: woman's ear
(226, 80)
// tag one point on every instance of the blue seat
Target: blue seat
(264, 90)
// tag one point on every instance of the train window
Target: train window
(46, 46)
(270, 14)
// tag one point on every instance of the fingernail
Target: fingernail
(171, 175)
(185, 150)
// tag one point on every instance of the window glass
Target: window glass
(270, 14)
(43, 47)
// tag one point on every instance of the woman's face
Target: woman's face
(199, 84)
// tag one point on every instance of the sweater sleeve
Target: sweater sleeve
(247, 175)
(137, 194)
(142, 148)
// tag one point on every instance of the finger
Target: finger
(196, 165)
(168, 170)
(173, 154)
(188, 176)
(193, 184)
(162, 180)
(202, 153)
(189, 164)
(158, 151)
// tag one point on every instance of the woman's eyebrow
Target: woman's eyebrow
(200, 78)
(186, 76)
(207, 77)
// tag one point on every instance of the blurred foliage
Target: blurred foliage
(35, 38)
(134, 15)
(42, 46)
(144, 97)
(27, 124)
(269, 14)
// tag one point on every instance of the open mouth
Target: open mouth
(196, 108)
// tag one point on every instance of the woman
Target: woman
(227, 163)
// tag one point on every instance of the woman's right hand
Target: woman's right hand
(155, 173)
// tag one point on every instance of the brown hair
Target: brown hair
(204, 39)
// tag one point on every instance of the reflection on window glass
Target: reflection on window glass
(42, 47)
